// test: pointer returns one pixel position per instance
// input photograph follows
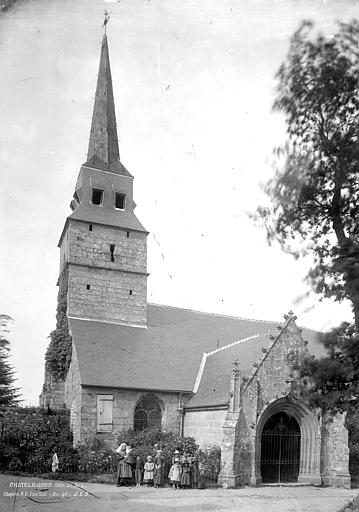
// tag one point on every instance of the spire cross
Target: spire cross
(105, 21)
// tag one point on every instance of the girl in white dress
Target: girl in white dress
(148, 474)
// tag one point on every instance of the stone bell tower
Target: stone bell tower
(103, 244)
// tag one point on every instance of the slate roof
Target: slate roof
(164, 356)
(103, 142)
(126, 219)
(115, 167)
(167, 354)
(215, 382)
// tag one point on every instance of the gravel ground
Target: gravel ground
(36, 494)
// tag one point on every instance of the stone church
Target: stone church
(139, 365)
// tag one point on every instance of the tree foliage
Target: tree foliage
(59, 351)
(8, 394)
(315, 192)
(332, 382)
(28, 436)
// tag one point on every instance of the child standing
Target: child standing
(55, 462)
(157, 474)
(175, 474)
(194, 473)
(148, 475)
(159, 457)
(176, 455)
(186, 473)
(138, 470)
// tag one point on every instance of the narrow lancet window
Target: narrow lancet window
(112, 252)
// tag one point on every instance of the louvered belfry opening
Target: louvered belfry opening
(148, 414)
(280, 449)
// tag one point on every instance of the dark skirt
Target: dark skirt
(157, 477)
(138, 476)
(124, 471)
(185, 478)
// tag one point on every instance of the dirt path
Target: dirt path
(35, 494)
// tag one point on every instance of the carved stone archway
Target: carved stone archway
(309, 467)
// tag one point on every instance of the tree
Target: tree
(332, 382)
(8, 394)
(315, 191)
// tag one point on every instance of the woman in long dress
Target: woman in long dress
(121, 466)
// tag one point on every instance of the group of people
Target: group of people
(184, 471)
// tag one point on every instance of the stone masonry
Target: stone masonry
(100, 288)
(124, 403)
(205, 426)
(268, 390)
(73, 396)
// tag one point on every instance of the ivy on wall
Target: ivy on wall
(59, 351)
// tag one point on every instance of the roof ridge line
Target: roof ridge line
(213, 314)
(206, 354)
(232, 344)
(84, 319)
(200, 372)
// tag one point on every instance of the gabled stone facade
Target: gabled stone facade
(269, 391)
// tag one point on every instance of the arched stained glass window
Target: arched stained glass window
(148, 414)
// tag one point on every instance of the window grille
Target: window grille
(148, 414)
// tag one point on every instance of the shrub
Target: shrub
(28, 436)
(96, 457)
(210, 463)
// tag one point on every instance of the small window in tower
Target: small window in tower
(88, 287)
(128, 234)
(90, 227)
(112, 250)
(130, 292)
(97, 196)
(120, 201)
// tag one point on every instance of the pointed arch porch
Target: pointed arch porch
(310, 444)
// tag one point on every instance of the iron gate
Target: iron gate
(280, 454)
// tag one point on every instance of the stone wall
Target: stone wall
(124, 403)
(92, 248)
(335, 452)
(73, 394)
(105, 285)
(205, 426)
(107, 295)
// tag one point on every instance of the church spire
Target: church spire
(103, 145)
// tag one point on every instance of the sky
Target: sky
(194, 85)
